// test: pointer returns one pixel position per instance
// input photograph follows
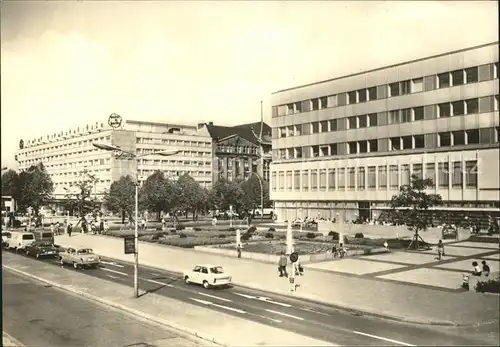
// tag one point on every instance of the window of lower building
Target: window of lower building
(394, 89)
(405, 175)
(314, 104)
(362, 95)
(430, 171)
(444, 110)
(458, 108)
(333, 125)
(418, 113)
(444, 80)
(418, 170)
(456, 178)
(322, 179)
(315, 151)
(372, 177)
(458, 138)
(353, 147)
(274, 180)
(323, 102)
(472, 74)
(382, 176)
(472, 136)
(333, 149)
(361, 178)
(395, 143)
(419, 141)
(406, 115)
(405, 87)
(324, 126)
(351, 178)
(363, 121)
(372, 120)
(314, 180)
(315, 127)
(298, 152)
(471, 174)
(393, 177)
(457, 77)
(352, 122)
(444, 139)
(393, 117)
(373, 146)
(323, 151)
(331, 179)
(407, 142)
(363, 146)
(305, 180)
(296, 179)
(472, 106)
(341, 173)
(351, 97)
(372, 93)
(444, 175)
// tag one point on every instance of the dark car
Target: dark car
(42, 249)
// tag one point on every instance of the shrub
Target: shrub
(231, 229)
(269, 236)
(222, 236)
(197, 229)
(17, 223)
(489, 286)
(359, 236)
(252, 229)
(367, 251)
(311, 235)
(272, 229)
(182, 235)
(335, 235)
(482, 238)
(180, 227)
(158, 229)
(246, 236)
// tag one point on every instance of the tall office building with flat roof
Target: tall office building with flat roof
(67, 154)
(343, 147)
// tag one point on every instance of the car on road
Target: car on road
(18, 240)
(42, 249)
(5, 238)
(208, 276)
(79, 258)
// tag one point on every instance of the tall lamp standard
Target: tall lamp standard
(134, 156)
(261, 195)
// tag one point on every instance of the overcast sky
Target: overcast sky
(65, 64)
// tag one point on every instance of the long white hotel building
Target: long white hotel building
(342, 147)
(67, 154)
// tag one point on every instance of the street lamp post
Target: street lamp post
(134, 156)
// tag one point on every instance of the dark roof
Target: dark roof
(243, 130)
(389, 66)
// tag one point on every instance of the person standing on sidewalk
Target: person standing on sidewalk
(70, 229)
(440, 247)
(238, 249)
(282, 263)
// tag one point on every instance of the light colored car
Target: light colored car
(79, 258)
(208, 276)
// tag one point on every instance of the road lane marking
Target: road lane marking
(313, 311)
(215, 297)
(154, 274)
(111, 276)
(158, 282)
(246, 296)
(114, 271)
(216, 305)
(264, 299)
(383, 338)
(112, 263)
(269, 318)
(285, 314)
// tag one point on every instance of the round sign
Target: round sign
(115, 120)
(294, 257)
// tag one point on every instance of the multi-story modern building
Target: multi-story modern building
(240, 150)
(342, 147)
(67, 154)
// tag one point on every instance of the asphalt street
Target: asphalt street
(304, 317)
(39, 315)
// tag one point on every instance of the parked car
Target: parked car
(19, 240)
(208, 276)
(5, 237)
(449, 232)
(43, 235)
(42, 249)
(79, 258)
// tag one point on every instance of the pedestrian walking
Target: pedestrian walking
(282, 263)
(70, 229)
(106, 226)
(440, 248)
(486, 269)
(56, 229)
(238, 249)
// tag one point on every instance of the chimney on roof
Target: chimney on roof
(210, 123)
(201, 124)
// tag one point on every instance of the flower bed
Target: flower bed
(276, 248)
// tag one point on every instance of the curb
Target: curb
(11, 341)
(124, 308)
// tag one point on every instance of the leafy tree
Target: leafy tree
(412, 205)
(158, 193)
(191, 195)
(81, 200)
(10, 184)
(252, 190)
(36, 188)
(121, 197)
(225, 193)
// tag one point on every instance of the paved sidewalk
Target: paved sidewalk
(9, 341)
(404, 302)
(224, 330)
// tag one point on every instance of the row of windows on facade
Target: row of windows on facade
(444, 80)
(376, 177)
(61, 147)
(72, 183)
(172, 173)
(230, 164)
(413, 114)
(421, 141)
(151, 151)
(181, 143)
(237, 149)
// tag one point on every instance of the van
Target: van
(41, 235)
(19, 240)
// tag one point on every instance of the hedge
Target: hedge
(191, 242)
(489, 286)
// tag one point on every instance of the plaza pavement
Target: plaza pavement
(362, 285)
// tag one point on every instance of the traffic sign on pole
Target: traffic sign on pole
(294, 257)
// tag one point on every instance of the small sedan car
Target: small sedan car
(208, 276)
(80, 258)
(41, 249)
